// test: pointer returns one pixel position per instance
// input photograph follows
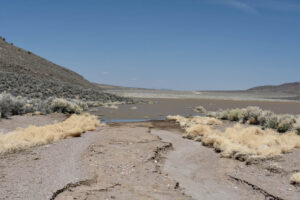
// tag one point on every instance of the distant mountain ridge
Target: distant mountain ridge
(293, 88)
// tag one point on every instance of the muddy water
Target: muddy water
(160, 108)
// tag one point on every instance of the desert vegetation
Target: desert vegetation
(245, 143)
(21, 94)
(29, 83)
(200, 109)
(295, 179)
(27, 86)
(11, 105)
(31, 136)
(256, 116)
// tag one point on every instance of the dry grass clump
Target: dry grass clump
(74, 126)
(295, 179)
(195, 126)
(243, 142)
(200, 109)
(205, 121)
(195, 132)
(182, 121)
(238, 142)
(187, 122)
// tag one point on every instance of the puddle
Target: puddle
(120, 120)
(124, 120)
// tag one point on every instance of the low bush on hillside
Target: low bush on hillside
(11, 105)
(27, 86)
(65, 106)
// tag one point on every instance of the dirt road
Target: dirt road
(201, 172)
(144, 160)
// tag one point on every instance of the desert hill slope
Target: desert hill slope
(286, 87)
(17, 60)
(23, 73)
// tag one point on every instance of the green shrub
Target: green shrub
(65, 106)
(262, 118)
(11, 105)
(285, 123)
(271, 122)
(297, 127)
(256, 116)
(243, 115)
(284, 126)
(222, 114)
(253, 114)
(233, 115)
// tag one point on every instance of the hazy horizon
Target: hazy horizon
(163, 44)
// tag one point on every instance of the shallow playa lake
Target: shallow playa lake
(160, 108)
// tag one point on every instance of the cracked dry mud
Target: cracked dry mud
(144, 160)
(127, 164)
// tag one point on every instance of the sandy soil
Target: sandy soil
(205, 175)
(37, 173)
(201, 172)
(127, 165)
(18, 121)
(142, 160)
(163, 107)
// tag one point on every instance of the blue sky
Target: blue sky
(174, 44)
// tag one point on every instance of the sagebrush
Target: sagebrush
(11, 105)
(256, 116)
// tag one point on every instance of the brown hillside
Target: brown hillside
(17, 60)
(285, 88)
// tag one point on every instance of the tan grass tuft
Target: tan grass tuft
(295, 179)
(205, 121)
(182, 121)
(251, 141)
(197, 130)
(187, 122)
(74, 126)
(239, 141)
